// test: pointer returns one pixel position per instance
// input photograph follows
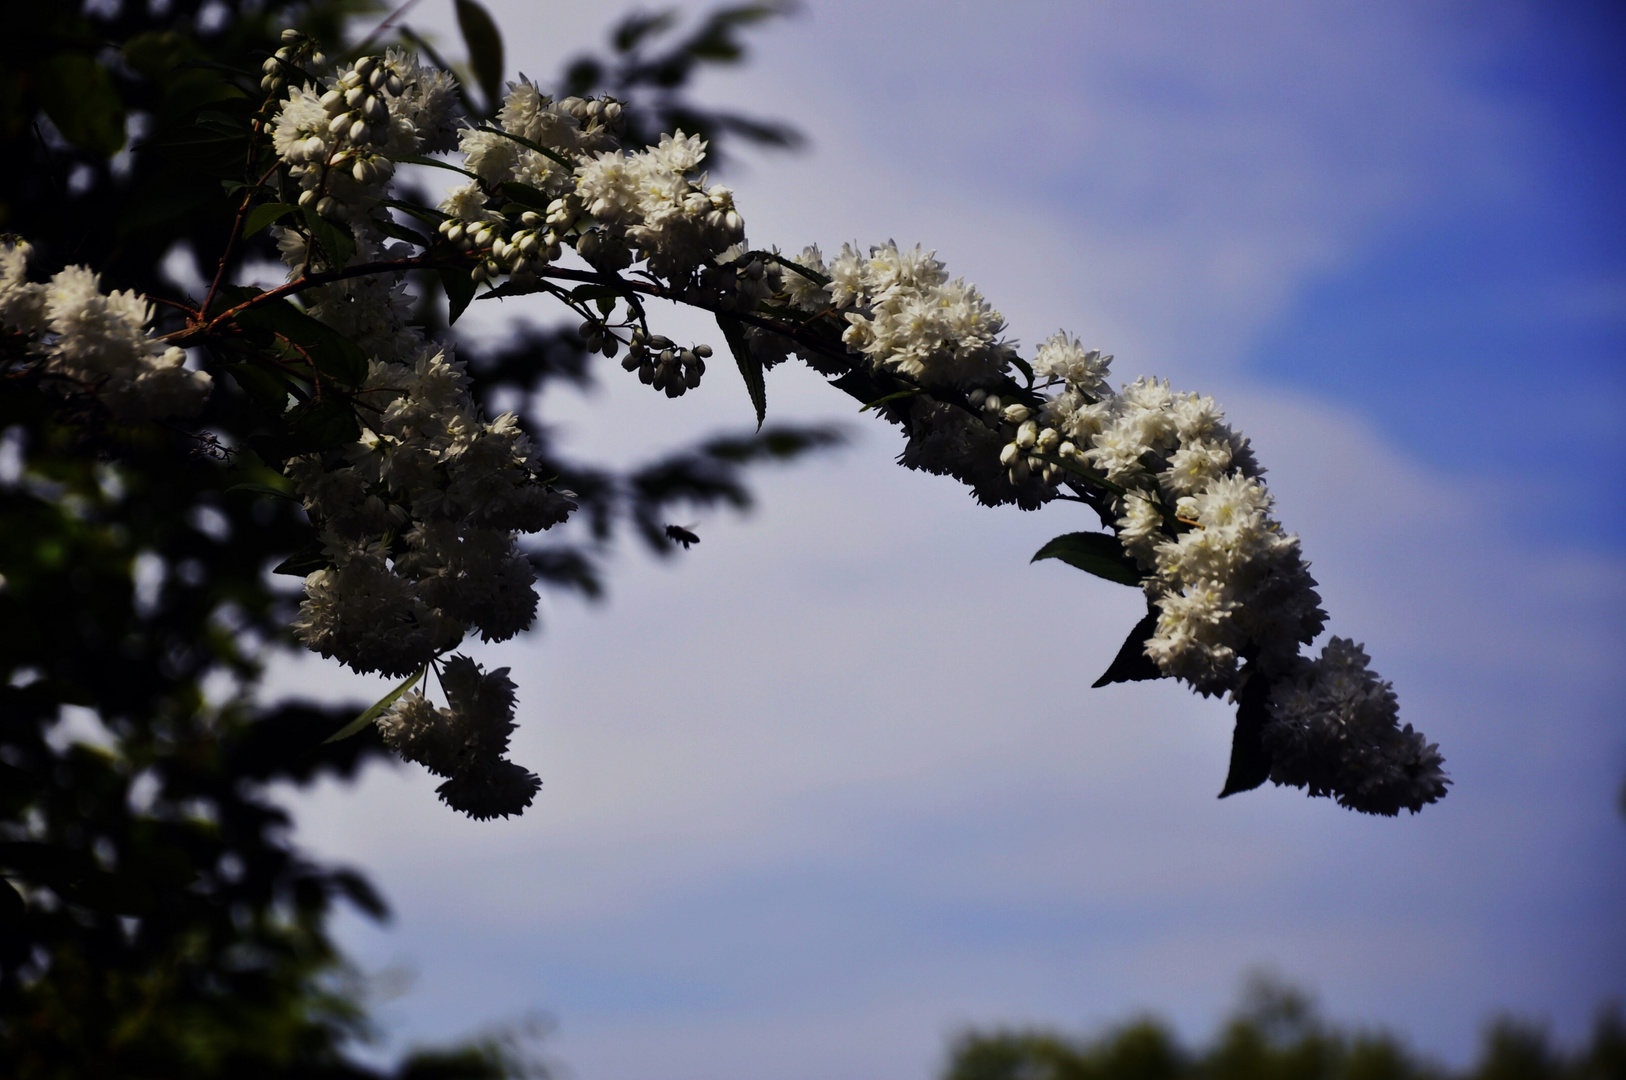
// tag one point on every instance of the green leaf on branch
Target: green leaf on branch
(434, 163)
(78, 95)
(267, 389)
(1095, 553)
(878, 402)
(484, 42)
(335, 240)
(584, 293)
(325, 425)
(303, 562)
(1132, 664)
(262, 216)
(750, 364)
(552, 155)
(263, 489)
(525, 195)
(1250, 761)
(333, 354)
(459, 286)
(355, 726)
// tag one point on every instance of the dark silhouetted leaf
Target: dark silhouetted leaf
(306, 561)
(333, 354)
(334, 239)
(484, 43)
(1250, 761)
(750, 365)
(1096, 553)
(459, 286)
(79, 96)
(1132, 664)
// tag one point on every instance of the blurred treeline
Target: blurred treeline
(156, 917)
(1277, 1034)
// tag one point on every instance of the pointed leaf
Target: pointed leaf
(459, 286)
(334, 240)
(878, 402)
(1096, 553)
(436, 163)
(333, 354)
(750, 365)
(355, 726)
(484, 42)
(1132, 664)
(264, 489)
(1250, 761)
(261, 216)
(303, 562)
(79, 96)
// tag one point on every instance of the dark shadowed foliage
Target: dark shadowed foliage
(156, 918)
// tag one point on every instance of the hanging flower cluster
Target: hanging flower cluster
(418, 505)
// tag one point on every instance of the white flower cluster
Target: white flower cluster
(904, 313)
(467, 742)
(98, 341)
(1334, 729)
(419, 518)
(612, 205)
(338, 136)
(1233, 596)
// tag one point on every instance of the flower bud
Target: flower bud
(454, 230)
(976, 398)
(631, 362)
(703, 351)
(1027, 434)
(646, 373)
(360, 132)
(355, 96)
(326, 205)
(290, 35)
(271, 66)
(1066, 450)
(532, 218)
(307, 196)
(375, 110)
(339, 124)
(365, 66)
(377, 78)
(394, 85)
(1016, 413)
(333, 102)
(1008, 454)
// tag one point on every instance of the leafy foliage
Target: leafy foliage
(155, 918)
(1276, 1034)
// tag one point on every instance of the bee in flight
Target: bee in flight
(680, 534)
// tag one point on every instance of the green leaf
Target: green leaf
(333, 239)
(484, 42)
(263, 489)
(427, 215)
(390, 227)
(267, 389)
(333, 354)
(1132, 664)
(1096, 553)
(355, 726)
(878, 402)
(459, 286)
(325, 425)
(435, 163)
(1250, 761)
(79, 96)
(1024, 367)
(554, 155)
(750, 364)
(585, 293)
(303, 562)
(262, 216)
(525, 195)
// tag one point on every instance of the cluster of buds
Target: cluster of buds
(735, 283)
(661, 364)
(513, 250)
(597, 119)
(356, 107)
(297, 49)
(1028, 445)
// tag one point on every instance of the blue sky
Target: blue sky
(832, 786)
